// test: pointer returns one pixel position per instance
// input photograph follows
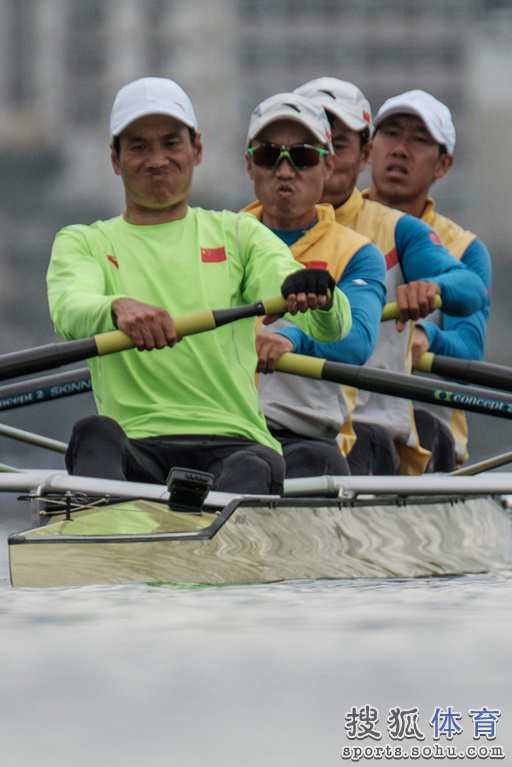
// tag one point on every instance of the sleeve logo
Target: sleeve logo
(435, 238)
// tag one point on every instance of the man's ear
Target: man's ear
(444, 163)
(366, 155)
(114, 159)
(329, 166)
(198, 149)
(248, 166)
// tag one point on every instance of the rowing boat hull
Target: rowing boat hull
(251, 542)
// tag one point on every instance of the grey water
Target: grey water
(254, 676)
(259, 676)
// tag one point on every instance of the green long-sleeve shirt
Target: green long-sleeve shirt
(207, 260)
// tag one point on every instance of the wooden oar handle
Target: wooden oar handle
(390, 311)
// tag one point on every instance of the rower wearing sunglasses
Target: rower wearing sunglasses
(289, 156)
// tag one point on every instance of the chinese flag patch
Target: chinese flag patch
(113, 260)
(213, 255)
(315, 264)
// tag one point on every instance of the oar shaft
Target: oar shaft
(4, 468)
(64, 353)
(472, 371)
(481, 466)
(43, 389)
(46, 357)
(32, 439)
(485, 401)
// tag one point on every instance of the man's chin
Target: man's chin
(394, 191)
(162, 201)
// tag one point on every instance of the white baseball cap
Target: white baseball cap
(148, 96)
(343, 99)
(290, 106)
(436, 115)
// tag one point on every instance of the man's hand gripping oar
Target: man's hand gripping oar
(299, 293)
(64, 353)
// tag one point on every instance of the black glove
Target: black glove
(317, 281)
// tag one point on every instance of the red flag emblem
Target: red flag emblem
(113, 260)
(315, 264)
(213, 255)
(435, 238)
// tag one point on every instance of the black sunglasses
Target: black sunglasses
(300, 156)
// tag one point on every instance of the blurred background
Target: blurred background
(62, 62)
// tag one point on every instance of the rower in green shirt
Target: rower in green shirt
(194, 403)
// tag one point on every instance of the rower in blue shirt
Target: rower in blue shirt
(419, 268)
(413, 144)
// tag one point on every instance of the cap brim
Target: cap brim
(285, 115)
(351, 121)
(145, 112)
(407, 109)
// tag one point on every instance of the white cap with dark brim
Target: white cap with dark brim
(147, 96)
(290, 106)
(436, 115)
(342, 99)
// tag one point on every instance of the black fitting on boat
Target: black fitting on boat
(188, 489)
